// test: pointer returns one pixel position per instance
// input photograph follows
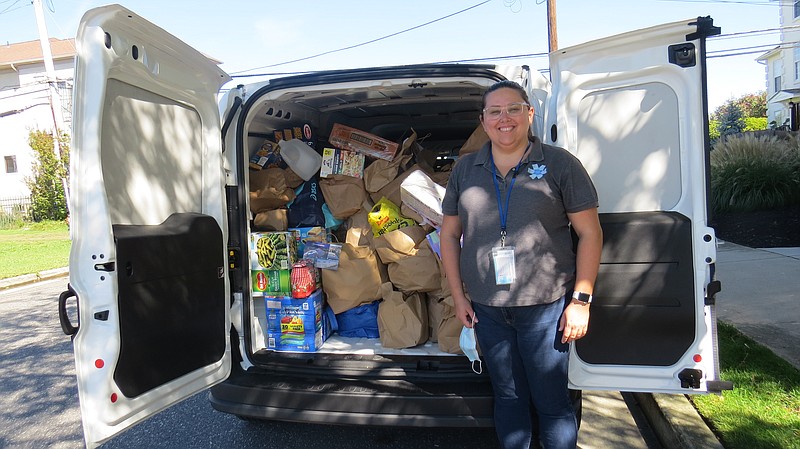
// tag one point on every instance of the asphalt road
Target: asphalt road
(39, 403)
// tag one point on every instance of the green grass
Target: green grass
(763, 409)
(33, 247)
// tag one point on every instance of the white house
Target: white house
(25, 105)
(783, 70)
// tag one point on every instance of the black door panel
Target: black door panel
(171, 300)
(646, 281)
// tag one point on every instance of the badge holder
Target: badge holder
(504, 263)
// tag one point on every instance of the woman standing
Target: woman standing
(513, 202)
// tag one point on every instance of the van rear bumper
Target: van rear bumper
(373, 402)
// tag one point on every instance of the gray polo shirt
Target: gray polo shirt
(550, 183)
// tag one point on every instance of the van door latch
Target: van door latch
(108, 266)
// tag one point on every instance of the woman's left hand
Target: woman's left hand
(574, 321)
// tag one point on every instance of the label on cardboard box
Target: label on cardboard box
(347, 138)
(273, 250)
(275, 282)
(341, 162)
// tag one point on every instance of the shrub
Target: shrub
(713, 130)
(755, 123)
(754, 173)
(48, 175)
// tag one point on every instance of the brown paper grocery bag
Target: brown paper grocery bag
(475, 141)
(343, 194)
(435, 311)
(357, 280)
(449, 328)
(392, 190)
(268, 190)
(417, 273)
(399, 244)
(402, 320)
(271, 220)
(293, 180)
(359, 231)
(381, 172)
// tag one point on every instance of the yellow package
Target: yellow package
(385, 217)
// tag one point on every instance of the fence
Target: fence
(15, 209)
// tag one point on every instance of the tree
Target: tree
(731, 120)
(751, 105)
(48, 175)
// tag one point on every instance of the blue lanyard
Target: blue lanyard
(503, 208)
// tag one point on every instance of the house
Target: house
(25, 105)
(783, 70)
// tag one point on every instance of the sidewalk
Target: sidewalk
(761, 296)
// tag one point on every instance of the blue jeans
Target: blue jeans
(527, 363)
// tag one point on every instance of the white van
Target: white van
(160, 221)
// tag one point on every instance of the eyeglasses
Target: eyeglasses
(512, 110)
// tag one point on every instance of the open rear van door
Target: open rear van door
(633, 108)
(148, 260)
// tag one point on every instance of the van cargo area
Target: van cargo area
(439, 104)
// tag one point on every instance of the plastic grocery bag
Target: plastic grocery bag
(385, 217)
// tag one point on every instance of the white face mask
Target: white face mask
(470, 347)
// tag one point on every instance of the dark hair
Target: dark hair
(508, 84)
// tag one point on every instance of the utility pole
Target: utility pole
(552, 32)
(52, 91)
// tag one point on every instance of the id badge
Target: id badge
(504, 270)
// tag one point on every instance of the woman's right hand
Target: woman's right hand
(464, 311)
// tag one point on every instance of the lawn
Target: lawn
(33, 248)
(763, 409)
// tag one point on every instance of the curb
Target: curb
(675, 421)
(25, 279)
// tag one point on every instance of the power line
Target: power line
(9, 7)
(739, 2)
(368, 42)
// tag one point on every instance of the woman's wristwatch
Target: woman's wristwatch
(582, 297)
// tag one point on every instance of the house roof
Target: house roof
(31, 52)
(770, 53)
(784, 96)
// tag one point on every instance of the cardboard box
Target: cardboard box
(309, 234)
(273, 250)
(420, 193)
(341, 162)
(347, 138)
(288, 314)
(279, 341)
(269, 155)
(296, 324)
(271, 282)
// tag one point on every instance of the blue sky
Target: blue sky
(252, 34)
